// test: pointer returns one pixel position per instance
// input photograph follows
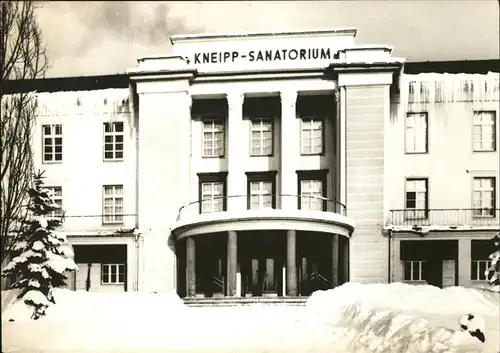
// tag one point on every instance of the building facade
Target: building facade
(273, 164)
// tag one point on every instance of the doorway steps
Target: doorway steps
(248, 301)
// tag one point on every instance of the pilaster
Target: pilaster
(289, 148)
(464, 262)
(236, 182)
(365, 101)
(164, 110)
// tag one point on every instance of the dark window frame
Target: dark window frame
(493, 198)
(52, 137)
(319, 174)
(426, 210)
(210, 178)
(262, 176)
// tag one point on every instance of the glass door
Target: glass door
(261, 264)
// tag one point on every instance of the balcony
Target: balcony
(97, 225)
(283, 213)
(445, 219)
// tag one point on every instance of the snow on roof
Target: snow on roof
(421, 229)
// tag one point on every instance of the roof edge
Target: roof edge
(253, 34)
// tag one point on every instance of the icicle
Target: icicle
(442, 90)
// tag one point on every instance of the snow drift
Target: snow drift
(82, 305)
(353, 318)
(403, 318)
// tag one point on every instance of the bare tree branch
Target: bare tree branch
(23, 57)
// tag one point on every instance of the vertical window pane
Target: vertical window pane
(212, 194)
(416, 198)
(113, 204)
(213, 138)
(261, 136)
(416, 133)
(261, 194)
(113, 140)
(483, 196)
(52, 142)
(483, 131)
(311, 195)
(312, 136)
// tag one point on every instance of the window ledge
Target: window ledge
(417, 153)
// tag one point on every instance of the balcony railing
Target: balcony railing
(458, 217)
(242, 203)
(97, 224)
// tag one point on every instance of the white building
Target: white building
(318, 161)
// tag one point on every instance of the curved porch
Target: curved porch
(267, 252)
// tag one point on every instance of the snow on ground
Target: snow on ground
(353, 318)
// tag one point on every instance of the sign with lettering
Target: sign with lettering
(266, 55)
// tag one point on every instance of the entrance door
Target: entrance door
(261, 258)
(261, 276)
(434, 273)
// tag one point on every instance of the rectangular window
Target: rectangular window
(414, 271)
(484, 132)
(478, 269)
(416, 133)
(311, 142)
(56, 192)
(483, 197)
(52, 143)
(416, 203)
(261, 137)
(113, 204)
(113, 274)
(312, 190)
(261, 190)
(213, 138)
(113, 141)
(212, 192)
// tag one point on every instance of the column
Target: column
(236, 179)
(346, 264)
(191, 267)
(291, 264)
(335, 260)
(464, 262)
(289, 149)
(232, 263)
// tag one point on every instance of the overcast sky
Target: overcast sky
(89, 38)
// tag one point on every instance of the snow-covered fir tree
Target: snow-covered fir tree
(43, 254)
(493, 272)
